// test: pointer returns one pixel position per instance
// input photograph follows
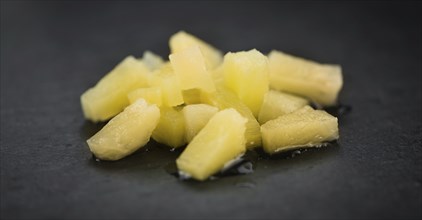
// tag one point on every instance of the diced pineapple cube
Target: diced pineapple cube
(304, 127)
(182, 40)
(220, 141)
(189, 66)
(319, 82)
(151, 94)
(279, 103)
(171, 128)
(152, 60)
(125, 133)
(224, 98)
(246, 73)
(196, 117)
(168, 82)
(109, 96)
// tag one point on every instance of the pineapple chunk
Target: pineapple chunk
(109, 96)
(182, 40)
(196, 117)
(220, 141)
(279, 103)
(168, 82)
(224, 98)
(171, 128)
(319, 82)
(152, 60)
(192, 96)
(125, 133)
(151, 94)
(304, 127)
(189, 66)
(246, 73)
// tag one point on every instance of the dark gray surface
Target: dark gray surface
(51, 53)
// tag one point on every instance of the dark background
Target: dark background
(52, 52)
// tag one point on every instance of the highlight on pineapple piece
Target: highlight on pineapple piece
(150, 94)
(109, 96)
(152, 60)
(279, 103)
(319, 82)
(196, 117)
(182, 41)
(189, 66)
(224, 98)
(304, 127)
(246, 74)
(125, 133)
(171, 127)
(219, 142)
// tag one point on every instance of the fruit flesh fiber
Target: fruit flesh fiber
(196, 117)
(182, 40)
(279, 103)
(305, 127)
(246, 74)
(219, 142)
(109, 96)
(171, 128)
(151, 94)
(319, 82)
(125, 133)
(224, 98)
(189, 66)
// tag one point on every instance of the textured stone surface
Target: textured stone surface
(51, 53)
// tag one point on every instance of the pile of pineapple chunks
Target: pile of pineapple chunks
(219, 106)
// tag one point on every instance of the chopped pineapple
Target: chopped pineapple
(182, 40)
(151, 94)
(319, 82)
(304, 127)
(168, 82)
(279, 103)
(125, 133)
(196, 117)
(223, 98)
(152, 60)
(220, 141)
(246, 73)
(189, 66)
(109, 96)
(171, 128)
(192, 96)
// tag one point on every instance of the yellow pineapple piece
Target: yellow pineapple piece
(217, 75)
(192, 96)
(171, 128)
(304, 127)
(189, 66)
(246, 73)
(196, 117)
(319, 82)
(279, 103)
(109, 96)
(224, 98)
(182, 41)
(167, 81)
(152, 60)
(151, 94)
(125, 133)
(220, 141)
